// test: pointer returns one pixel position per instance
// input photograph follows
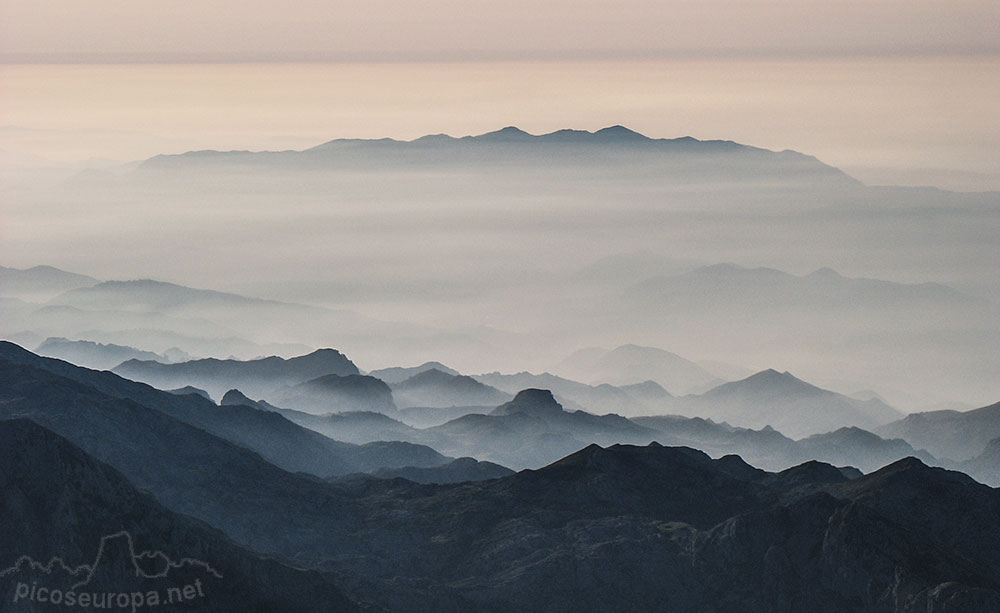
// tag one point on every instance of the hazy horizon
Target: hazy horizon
(873, 117)
(499, 261)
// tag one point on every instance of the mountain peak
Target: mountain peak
(236, 397)
(530, 401)
(434, 138)
(767, 381)
(825, 273)
(326, 361)
(773, 375)
(811, 472)
(619, 132)
(509, 133)
(429, 376)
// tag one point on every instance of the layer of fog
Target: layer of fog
(513, 267)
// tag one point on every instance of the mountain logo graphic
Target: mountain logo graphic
(118, 576)
(120, 541)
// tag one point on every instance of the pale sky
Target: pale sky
(893, 91)
(264, 30)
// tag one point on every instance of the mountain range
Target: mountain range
(630, 364)
(769, 399)
(619, 527)
(177, 323)
(535, 429)
(781, 400)
(509, 371)
(615, 146)
(959, 435)
(40, 283)
(255, 376)
(95, 355)
(41, 387)
(436, 388)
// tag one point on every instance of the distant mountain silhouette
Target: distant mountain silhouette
(766, 304)
(191, 318)
(630, 364)
(781, 400)
(399, 374)
(598, 399)
(358, 427)
(235, 397)
(511, 146)
(648, 392)
(94, 355)
(259, 377)
(337, 393)
(191, 390)
(530, 430)
(859, 448)
(986, 466)
(435, 388)
(426, 417)
(957, 435)
(766, 287)
(533, 402)
(769, 449)
(40, 283)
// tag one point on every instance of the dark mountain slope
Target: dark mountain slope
(280, 441)
(187, 469)
(621, 528)
(654, 528)
(60, 501)
(456, 471)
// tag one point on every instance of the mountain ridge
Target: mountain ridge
(606, 143)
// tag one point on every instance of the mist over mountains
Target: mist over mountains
(337, 511)
(510, 251)
(381, 539)
(149, 320)
(576, 371)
